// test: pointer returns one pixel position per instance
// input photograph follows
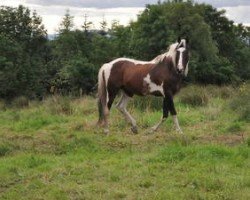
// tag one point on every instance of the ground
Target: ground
(53, 150)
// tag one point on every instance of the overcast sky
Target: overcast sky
(121, 10)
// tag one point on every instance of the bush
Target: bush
(235, 127)
(223, 92)
(4, 149)
(20, 102)
(241, 102)
(194, 96)
(2, 105)
(59, 105)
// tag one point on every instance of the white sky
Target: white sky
(52, 12)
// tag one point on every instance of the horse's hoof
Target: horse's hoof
(150, 131)
(180, 131)
(106, 131)
(134, 129)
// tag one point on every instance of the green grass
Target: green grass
(53, 150)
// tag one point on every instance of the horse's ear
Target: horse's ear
(179, 40)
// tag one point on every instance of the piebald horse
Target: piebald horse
(161, 76)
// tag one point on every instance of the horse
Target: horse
(161, 76)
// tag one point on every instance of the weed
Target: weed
(235, 127)
(248, 142)
(146, 184)
(120, 195)
(4, 149)
(35, 161)
(7, 147)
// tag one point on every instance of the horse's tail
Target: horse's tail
(102, 94)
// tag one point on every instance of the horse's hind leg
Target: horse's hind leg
(107, 108)
(122, 106)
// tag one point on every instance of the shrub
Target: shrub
(20, 102)
(241, 103)
(4, 149)
(2, 105)
(194, 96)
(223, 92)
(248, 142)
(226, 92)
(59, 105)
(235, 127)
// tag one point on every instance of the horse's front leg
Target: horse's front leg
(164, 116)
(171, 107)
(168, 106)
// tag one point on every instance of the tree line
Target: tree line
(32, 65)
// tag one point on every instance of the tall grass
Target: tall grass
(194, 96)
(241, 102)
(223, 92)
(2, 105)
(59, 105)
(148, 103)
(20, 102)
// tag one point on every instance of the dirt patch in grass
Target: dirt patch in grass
(146, 141)
(231, 140)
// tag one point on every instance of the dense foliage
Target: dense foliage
(32, 65)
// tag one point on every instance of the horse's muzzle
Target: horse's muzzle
(180, 71)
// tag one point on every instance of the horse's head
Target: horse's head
(182, 56)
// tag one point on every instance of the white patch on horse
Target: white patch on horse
(136, 62)
(180, 64)
(152, 86)
(183, 41)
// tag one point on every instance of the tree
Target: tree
(67, 23)
(104, 25)
(86, 24)
(216, 45)
(23, 49)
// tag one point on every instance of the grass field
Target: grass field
(53, 150)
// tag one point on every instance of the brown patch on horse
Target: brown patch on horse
(165, 72)
(129, 77)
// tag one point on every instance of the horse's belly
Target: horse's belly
(134, 89)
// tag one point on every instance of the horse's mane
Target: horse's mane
(171, 52)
